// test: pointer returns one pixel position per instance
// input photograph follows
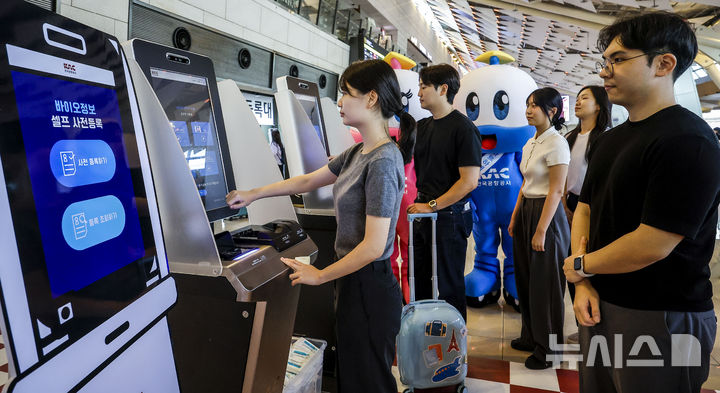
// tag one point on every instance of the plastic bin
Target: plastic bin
(309, 380)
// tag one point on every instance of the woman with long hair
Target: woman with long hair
(593, 110)
(278, 150)
(368, 186)
(540, 231)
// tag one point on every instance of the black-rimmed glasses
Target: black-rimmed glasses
(609, 65)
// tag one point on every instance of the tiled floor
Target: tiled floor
(500, 376)
(495, 367)
(3, 364)
(491, 375)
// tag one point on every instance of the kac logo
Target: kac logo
(493, 173)
(69, 68)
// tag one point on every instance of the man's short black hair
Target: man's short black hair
(442, 74)
(654, 33)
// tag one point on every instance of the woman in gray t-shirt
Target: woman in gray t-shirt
(368, 186)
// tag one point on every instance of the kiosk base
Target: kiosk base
(232, 333)
(210, 333)
(316, 308)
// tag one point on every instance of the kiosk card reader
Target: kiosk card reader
(281, 234)
(84, 274)
(230, 333)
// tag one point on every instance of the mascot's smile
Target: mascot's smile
(501, 139)
(488, 141)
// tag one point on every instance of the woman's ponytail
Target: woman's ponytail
(406, 143)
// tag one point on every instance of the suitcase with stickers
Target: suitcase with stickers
(432, 343)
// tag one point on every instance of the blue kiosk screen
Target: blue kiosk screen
(81, 179)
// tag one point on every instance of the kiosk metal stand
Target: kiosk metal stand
(232, 325)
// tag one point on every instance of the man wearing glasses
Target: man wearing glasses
(644, 230)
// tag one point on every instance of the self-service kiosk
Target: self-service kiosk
(232, 325)
(304, 133)
(84, 275)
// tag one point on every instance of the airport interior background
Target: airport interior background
(268, 49)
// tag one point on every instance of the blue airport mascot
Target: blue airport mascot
(493, 98)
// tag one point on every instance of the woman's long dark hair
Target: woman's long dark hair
(547, 98)
(602, 122)
(368, 75)
(275, 135)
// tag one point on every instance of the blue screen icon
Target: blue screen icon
(181, 132)
(81, 162)
(88, 223)
(201, 133)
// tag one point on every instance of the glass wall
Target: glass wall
(326, 15)
(340, 18)
(291, 5)
(309, 10)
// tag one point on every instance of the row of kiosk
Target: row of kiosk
(122, 271)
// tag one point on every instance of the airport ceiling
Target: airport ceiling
(554, 40)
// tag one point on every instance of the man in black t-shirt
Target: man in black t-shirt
(447, 166)
(648, 210)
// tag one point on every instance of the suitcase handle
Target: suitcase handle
(411, 254)
(412, 216)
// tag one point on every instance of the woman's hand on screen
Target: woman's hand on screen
(237, 199)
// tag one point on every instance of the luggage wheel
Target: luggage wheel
(462, 389)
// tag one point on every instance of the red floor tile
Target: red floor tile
(568, 381)
(523, 389)
(488, 369)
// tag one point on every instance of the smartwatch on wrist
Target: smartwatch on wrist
(579, 266)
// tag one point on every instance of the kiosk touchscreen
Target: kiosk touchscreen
(84, 267)
(185, 85)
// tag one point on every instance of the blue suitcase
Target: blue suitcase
(432, 343)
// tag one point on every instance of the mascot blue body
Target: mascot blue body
(493, 97)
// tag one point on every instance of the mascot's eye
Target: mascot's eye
(472, 106)
(405, 100)
(501, 105)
